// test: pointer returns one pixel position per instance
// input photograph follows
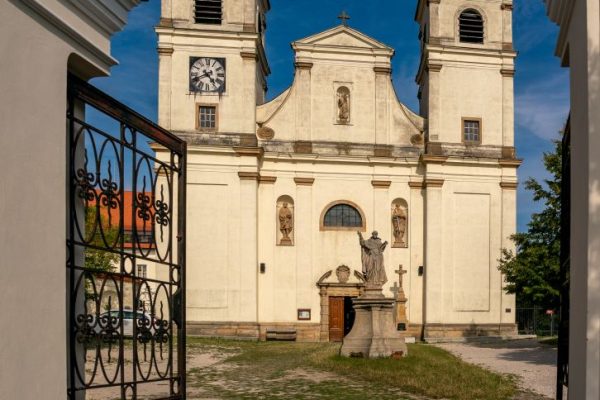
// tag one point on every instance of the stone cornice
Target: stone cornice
(433, 159)
(303, 65)
(506, 6)
(507, 72)
(103, 16)
(510, 163)
(434, 183)
(561, 11)
(381, 184)
(248, 176)
(248, 151)
(165, 50)
(109, 16)
(249, 55)
(267, 179)
(416, 184)
(382, 70)
(304, 181)
(509, 185)
(434, 67)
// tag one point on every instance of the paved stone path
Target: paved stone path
(533, 363)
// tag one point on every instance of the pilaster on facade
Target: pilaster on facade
(434, 264)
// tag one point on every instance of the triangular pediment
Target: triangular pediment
(343, 36)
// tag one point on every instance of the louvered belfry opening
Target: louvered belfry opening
(471, 27)
(208, 11)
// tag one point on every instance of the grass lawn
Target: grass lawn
(550, 341)
(270, 370)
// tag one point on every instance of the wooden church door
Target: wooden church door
(336, 319)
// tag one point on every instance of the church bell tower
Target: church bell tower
(466, 74)
(212, 65)
(466, 94)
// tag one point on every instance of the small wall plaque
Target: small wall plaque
(304, 314)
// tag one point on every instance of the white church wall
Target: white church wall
(481, 97)
(463, 282)
(33, 188)
(289, 282)
(222, 244)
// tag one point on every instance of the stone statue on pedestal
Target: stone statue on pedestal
(399, 218)
(286, 224)
(374, 334)
(372, 260)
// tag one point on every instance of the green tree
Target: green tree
(100, 260)
(533, 273)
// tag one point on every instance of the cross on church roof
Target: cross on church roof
(344, 17)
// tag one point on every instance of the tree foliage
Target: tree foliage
(533, 273)
(100, 260)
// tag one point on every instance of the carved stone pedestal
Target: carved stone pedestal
(285, 241)
(373, 334)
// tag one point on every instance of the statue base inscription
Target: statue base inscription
(374, 334)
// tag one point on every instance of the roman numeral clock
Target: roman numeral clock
(207, 75)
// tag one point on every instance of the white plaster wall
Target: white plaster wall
(33, 185)
(583, 50)
(464, 237)
(479, 89)
(221, 239)
(292, 272)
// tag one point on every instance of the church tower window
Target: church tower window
(207, 117)
(472, 131)
(208, 11)
(342, 215)
(471, 27)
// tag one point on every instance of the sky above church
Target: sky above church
(541, 85)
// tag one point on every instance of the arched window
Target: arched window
(471, 26)
(342, 215)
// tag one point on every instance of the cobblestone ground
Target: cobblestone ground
(533, 363)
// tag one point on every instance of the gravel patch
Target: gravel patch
(534, 364)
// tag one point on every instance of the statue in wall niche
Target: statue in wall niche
(399, 219)
(343, 105)
(286, 224)
(372, 259)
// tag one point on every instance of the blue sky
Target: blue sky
(541, 85)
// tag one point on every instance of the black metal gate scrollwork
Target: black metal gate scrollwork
(126, 252)
(562, 376)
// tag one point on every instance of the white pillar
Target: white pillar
(433, 251)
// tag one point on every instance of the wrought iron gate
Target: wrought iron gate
(126, 252)
(562, 379)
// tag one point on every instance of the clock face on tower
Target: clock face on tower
(207, 74)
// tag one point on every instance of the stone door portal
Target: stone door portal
(337, 313)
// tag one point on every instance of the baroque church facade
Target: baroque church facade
(277, 190)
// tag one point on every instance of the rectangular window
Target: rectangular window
(472, 131)
(142, 271)
(207, 117)
(208, 12)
